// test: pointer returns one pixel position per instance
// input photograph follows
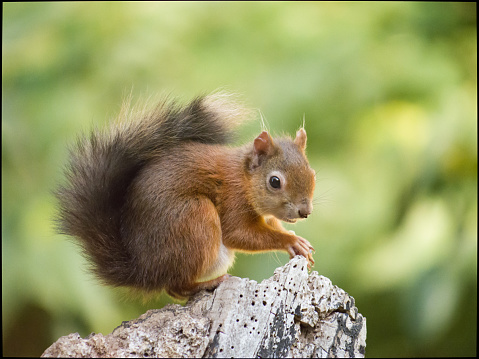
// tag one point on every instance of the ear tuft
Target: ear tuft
(300, 139)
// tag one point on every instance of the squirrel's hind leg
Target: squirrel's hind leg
(198, 236)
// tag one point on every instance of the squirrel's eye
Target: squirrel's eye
(275, 182)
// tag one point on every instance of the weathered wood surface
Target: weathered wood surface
(291, 314)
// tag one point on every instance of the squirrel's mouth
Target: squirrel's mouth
(289, 220)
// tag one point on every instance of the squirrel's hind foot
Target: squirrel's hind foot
(194, 288)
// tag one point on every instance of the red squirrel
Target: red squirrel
(161, 202)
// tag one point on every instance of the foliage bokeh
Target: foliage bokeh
(389, 94)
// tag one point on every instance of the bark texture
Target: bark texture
(291, 314)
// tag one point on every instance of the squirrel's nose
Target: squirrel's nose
(304, 212)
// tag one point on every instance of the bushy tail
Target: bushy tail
(103, 165)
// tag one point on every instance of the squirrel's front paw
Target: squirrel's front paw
(302, 247)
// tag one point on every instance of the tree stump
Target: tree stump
(291, 314)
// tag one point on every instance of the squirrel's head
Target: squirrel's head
(282, 182)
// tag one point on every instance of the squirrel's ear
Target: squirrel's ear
(300, 139)
(262, 146)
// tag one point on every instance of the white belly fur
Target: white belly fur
(224, 260)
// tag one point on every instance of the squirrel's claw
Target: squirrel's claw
(304, 248)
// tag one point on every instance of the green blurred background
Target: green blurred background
(389, 92)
